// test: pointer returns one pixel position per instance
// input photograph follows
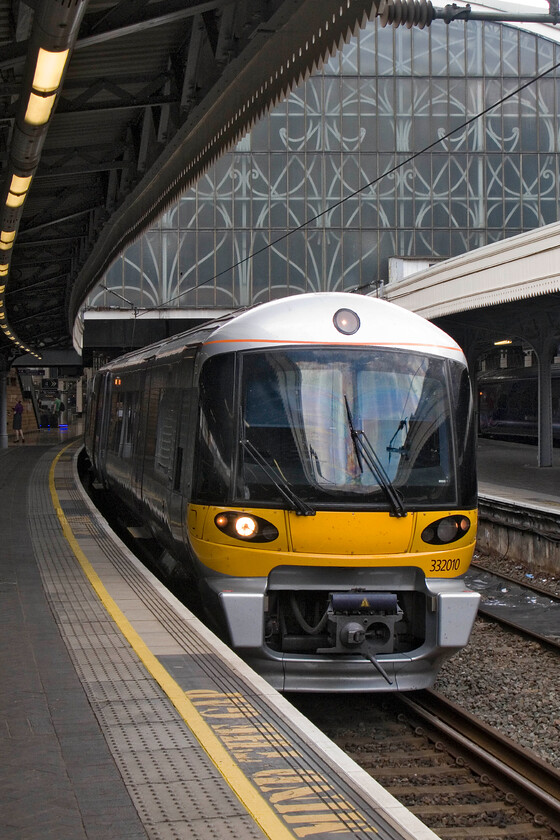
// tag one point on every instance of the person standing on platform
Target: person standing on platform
(17, 423)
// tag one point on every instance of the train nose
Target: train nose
(331, 532)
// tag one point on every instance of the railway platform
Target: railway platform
(124, 717)
(509, 472)
(519, 506)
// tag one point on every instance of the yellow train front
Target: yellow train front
(333, 506)
(309, 465)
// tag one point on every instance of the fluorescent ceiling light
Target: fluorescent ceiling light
(20, 184)
(39, 109)
(49, 69)
(7, 239)
(14, 200)
(17, 191)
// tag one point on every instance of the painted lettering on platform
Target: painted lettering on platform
(309, 805)
(306, 801)
(240, 726)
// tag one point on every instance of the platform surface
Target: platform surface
(123, 717)
(510, 472)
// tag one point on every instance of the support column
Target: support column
(545, 413)
(472, 350)
(545, 349)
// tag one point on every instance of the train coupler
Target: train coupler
(362, 622)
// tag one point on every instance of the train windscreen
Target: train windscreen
(342, 427)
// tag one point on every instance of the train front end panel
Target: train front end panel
(373, 604)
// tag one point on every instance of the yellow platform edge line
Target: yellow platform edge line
(243, 788)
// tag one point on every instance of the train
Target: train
(508, 404)
(309, 465)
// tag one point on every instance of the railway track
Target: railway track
(541, 590)
(508, 619)
(545, 641)
(460, 777)
(516, 771)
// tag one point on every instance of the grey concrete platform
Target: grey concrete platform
(510, 472)
(123, 717)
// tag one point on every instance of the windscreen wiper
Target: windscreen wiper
(400, 450)
(297, 504)
(367, 454)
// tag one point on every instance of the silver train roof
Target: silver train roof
(310, 319)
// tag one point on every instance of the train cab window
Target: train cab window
(465, 438)
(214, 444)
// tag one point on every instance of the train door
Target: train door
(159, 426)
(98, 425)
(186, 406)
(142, 377)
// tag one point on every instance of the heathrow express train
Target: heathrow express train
(310, 463)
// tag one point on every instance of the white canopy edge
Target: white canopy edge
(524, 266)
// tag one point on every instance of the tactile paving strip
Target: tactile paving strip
(177, 792)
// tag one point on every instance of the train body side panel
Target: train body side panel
(140, 441)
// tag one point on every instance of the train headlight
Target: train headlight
(446, 530)
(346, 321)
(244, 526)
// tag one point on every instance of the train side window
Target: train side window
(115, 421)
(130, 411)
(98, 421)
(166, 430)
(91, 413)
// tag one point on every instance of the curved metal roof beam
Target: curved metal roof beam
(282, 53)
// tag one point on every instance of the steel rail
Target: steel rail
(526, 585)
(549, 642)
(546, 641)
(534, 782)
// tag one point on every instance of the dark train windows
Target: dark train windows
(214, 445)
(166, 430)
(465, 434)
